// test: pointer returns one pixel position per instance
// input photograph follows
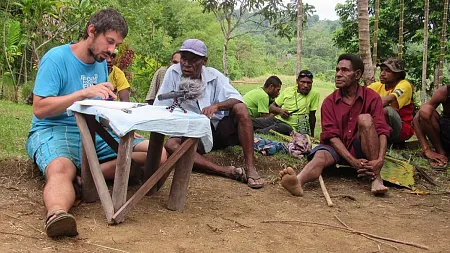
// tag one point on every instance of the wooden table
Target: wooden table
(117, 206)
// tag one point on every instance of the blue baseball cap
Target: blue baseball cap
(195, 46)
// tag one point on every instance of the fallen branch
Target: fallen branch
(325, 192)
(365, 236)
(352, 231)
(106, 247)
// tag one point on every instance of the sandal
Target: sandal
(60, 223)
(255, 185)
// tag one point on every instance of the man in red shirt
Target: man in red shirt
(354, 130)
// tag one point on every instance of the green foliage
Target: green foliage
(347, 36)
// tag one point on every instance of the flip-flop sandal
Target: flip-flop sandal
(62, 224)
(255, 186)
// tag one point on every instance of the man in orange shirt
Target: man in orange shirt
(396, 94)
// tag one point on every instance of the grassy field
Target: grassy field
(324, 89)
(15, 122)
(15, 119)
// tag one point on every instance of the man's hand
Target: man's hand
(358, 164)
(284, 114)
(102, 90)
(372, 168)
(436, 158)
(210, 110)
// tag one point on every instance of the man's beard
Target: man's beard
(97, 57)
(194, 87)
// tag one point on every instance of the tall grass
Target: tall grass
(15, 122)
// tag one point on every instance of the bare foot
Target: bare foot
(377, 187)
(237, 173)
(290, 182)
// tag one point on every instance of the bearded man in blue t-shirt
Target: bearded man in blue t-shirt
(67, 74)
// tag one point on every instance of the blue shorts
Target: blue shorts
(44, 146)
(356, 147)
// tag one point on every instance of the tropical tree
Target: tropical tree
(425, 51)
(299, 35)
(375, 33)
(400, 29)
(364, 41)
(443, 41)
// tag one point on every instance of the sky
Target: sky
(325, 8)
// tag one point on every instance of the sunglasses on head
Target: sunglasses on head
(309, 75)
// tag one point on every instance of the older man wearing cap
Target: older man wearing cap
(117, 78)
(230, 121)
(396, 94)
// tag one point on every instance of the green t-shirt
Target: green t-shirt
(257, 102)
(291, 100)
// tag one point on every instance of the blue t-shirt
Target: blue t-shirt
(62, 73)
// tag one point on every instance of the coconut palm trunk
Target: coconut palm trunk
(364, 41)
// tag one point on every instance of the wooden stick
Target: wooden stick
(346, 230)
(365, 236)
(325, 192)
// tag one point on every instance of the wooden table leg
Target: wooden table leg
(88, 191)
(94, 165)
(152, 163)
(119, 194)
(181, 176)
(119, 216)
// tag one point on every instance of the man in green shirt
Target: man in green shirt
(258, 101)
(297, 105)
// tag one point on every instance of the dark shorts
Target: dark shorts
(356, 146)
(224, 135)
(444, 125)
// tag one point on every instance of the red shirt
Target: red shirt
(340, 119)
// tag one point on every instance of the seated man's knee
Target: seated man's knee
(61, 167)
(172, 144)
(240, 111)
(426, 112)
(322, 159)
(365, 121)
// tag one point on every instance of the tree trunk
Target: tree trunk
(224, 57)
(400, 29)
(425, 52)
(443, 41)
(375, 32)
(364, 41)
(299, 35)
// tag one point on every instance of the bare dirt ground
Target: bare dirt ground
(222, 215)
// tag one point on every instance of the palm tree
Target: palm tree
(299, 35)
(400, 29)
(443, 41)
(364, 40)
(425, 52)
(375, 32)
